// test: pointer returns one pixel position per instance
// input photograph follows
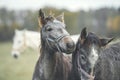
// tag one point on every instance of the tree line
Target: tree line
(103, 21)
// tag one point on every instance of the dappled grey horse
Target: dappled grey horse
(81, 62)
(55, 40)
(97, 58)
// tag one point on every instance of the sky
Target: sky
(72, 5)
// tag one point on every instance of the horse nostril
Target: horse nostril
(70, 45)
(15, 56)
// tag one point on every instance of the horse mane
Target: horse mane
(112, 51)
(42, 46)
(49, 18)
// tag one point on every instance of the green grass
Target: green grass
(16, 69)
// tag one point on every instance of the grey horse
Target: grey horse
(98, 58)
(55, 40)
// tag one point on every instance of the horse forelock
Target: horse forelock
(49, 18)
(92, 39)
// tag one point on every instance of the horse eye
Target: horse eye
(49, 29)
(83, 60)
(82, 57)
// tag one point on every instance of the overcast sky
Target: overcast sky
(72, 5)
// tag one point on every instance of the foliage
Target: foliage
(96, 20)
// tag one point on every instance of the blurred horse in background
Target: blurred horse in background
(24, 39)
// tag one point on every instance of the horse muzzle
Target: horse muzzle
(15, 54)
(67, 44)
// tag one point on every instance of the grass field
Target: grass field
(16, 69)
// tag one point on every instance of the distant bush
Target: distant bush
(103, 21)
(6, 33)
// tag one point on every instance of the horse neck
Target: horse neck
(48, 62)
(53, 64)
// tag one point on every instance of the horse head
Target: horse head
(19, 43)
(54, 34)
(90, 46)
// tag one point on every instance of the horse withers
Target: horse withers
(55, 40)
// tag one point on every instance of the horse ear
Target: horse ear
(83, 35)
(60, 18)
(41, 18)
(104, 42)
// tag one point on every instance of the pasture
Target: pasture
(16, 69)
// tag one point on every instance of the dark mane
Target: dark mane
(49, 18)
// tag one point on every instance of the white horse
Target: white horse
(24, 39)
